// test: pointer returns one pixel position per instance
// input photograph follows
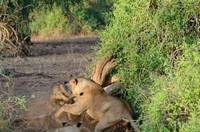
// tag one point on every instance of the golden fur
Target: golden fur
(90, 97)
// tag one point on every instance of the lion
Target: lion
(91, 98)
(60, 95)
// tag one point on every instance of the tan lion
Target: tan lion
(90, 97)
(60, 95)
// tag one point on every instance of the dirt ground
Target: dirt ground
(50, 62)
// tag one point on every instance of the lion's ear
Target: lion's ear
(73, 82)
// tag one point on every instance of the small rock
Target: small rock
(33, 96)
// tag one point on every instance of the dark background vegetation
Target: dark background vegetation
(69, 16)
(155, 42)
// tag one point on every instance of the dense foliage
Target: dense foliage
(175, 97)
(14, 30)
(156, 45)
(12, 12)
(69, 16)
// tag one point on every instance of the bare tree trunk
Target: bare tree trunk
(102, 70)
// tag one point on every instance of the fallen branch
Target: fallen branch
(102, 70)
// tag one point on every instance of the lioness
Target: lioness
(90, 97)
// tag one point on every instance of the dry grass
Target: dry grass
(13, 29)
(9, 40)
(10, 45)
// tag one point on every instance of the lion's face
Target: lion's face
(79, 86)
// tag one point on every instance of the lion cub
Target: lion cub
(91, 97)
(60, 95)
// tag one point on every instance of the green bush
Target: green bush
(146, 37)
(70, 17)
(96, 14)
(174, 102)
(47, 21)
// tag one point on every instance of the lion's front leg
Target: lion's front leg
(61, 97)
(58, 114)
(75, 109)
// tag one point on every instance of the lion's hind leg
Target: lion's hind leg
(102, 125)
